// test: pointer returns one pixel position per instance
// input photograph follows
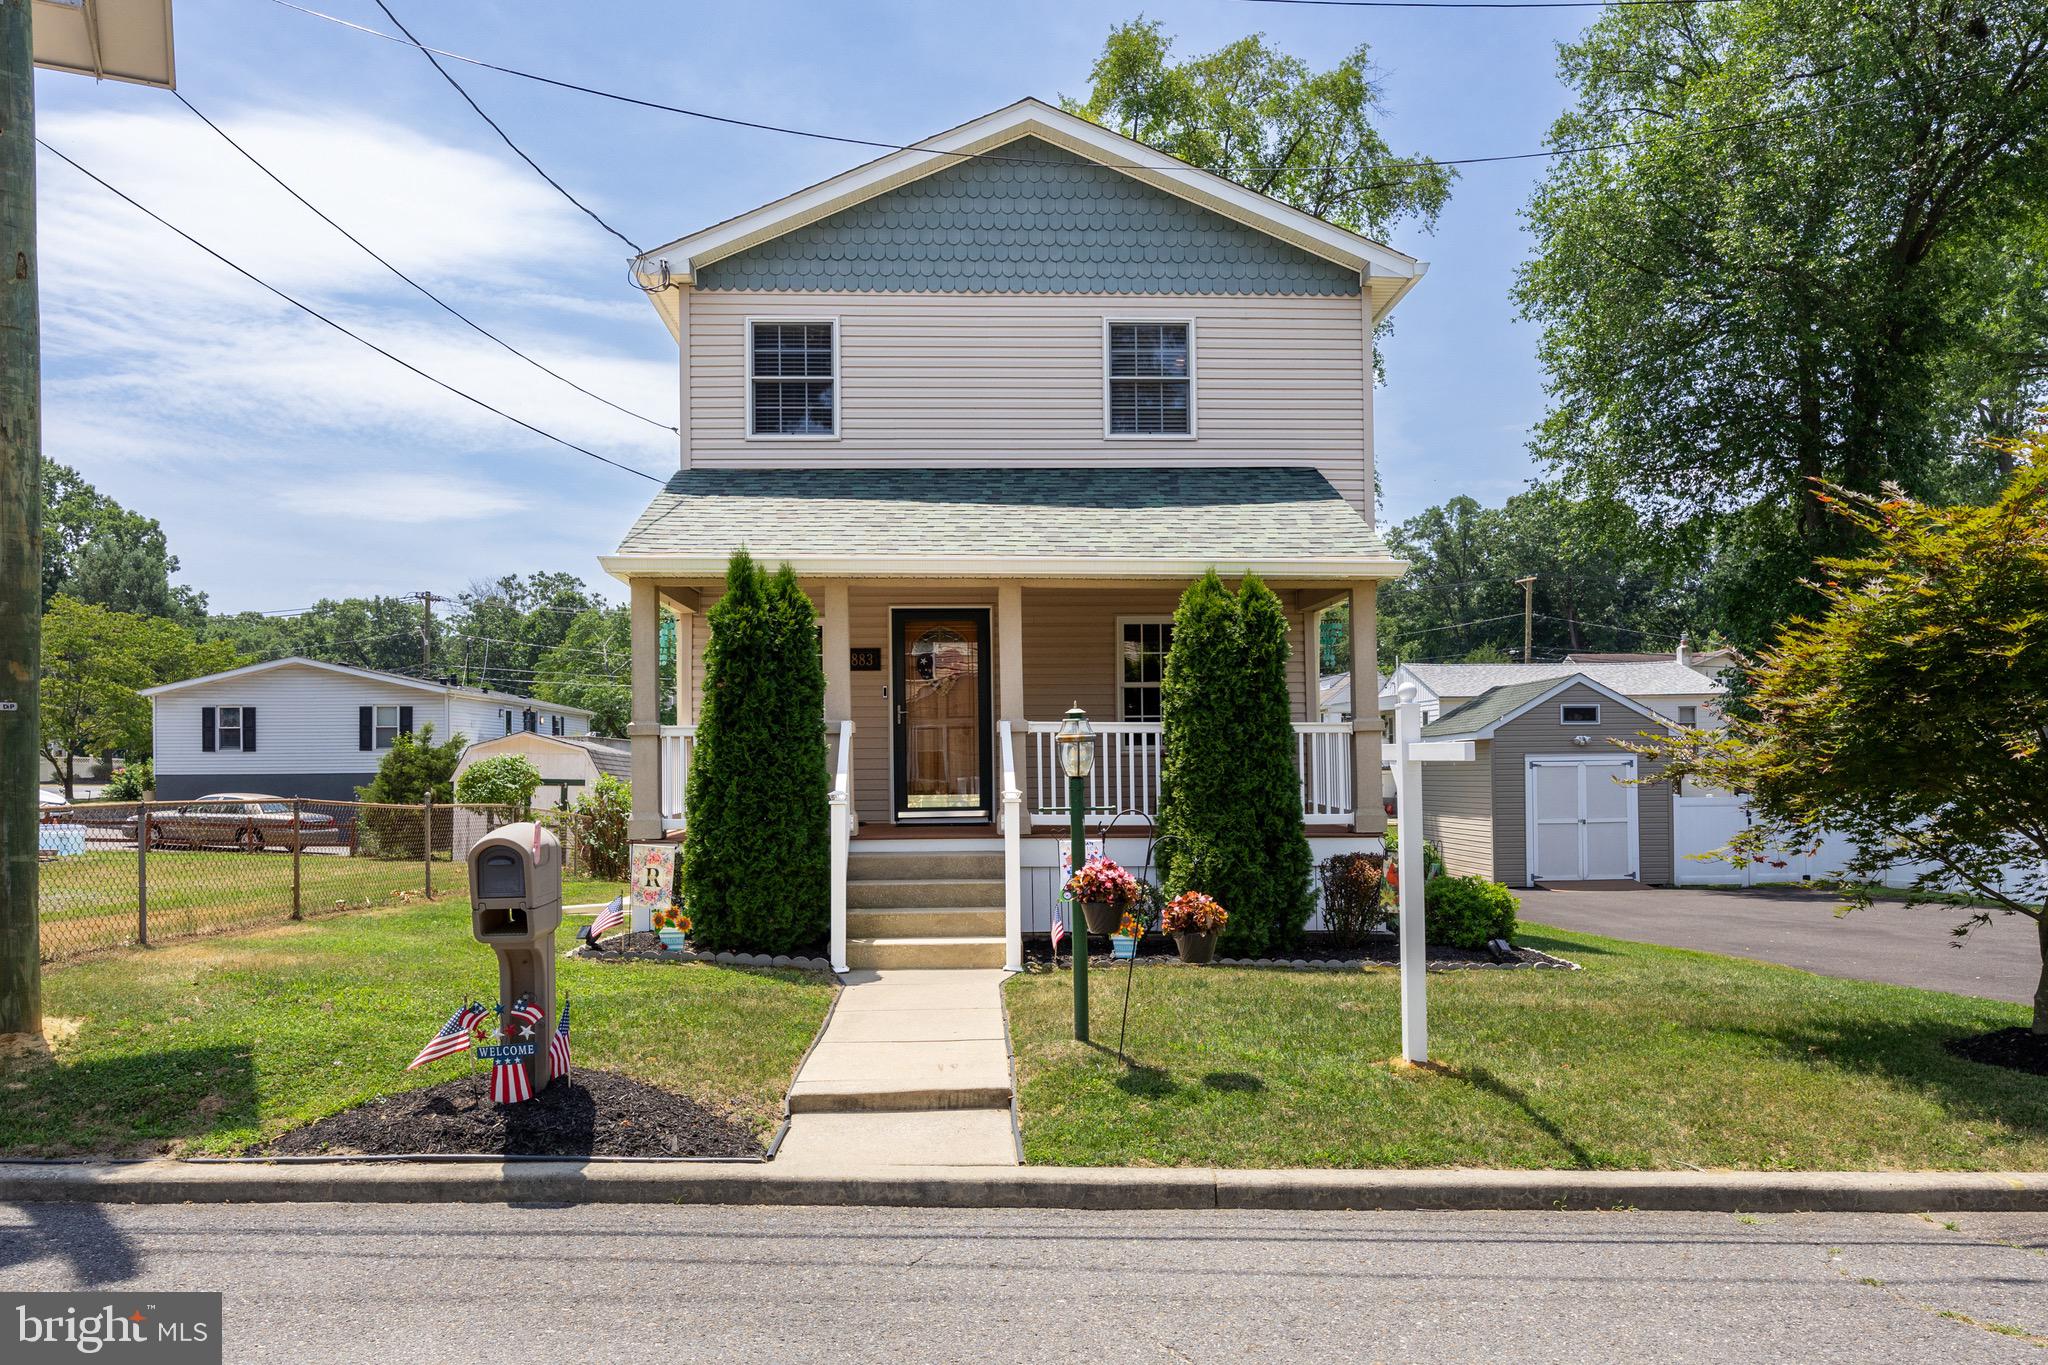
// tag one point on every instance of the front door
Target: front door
(1581, 813)
(942, 709)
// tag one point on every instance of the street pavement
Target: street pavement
(1908, 945)
(346, 1282)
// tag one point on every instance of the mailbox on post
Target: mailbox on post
(515, 897)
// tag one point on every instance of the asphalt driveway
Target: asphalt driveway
(1908, 945)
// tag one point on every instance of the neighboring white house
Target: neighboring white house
(568, 764)
(301, 727)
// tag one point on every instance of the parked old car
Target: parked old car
(234, 820)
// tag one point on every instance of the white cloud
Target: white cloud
(401, 499)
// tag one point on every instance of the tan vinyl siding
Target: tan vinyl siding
(1456, 814)
(953, 379)
(1539, 732)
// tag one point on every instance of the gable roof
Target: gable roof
(1008, 521)
(610, 757)
(1388, 273)
(1654, 679)
(370, 674)
(1495, 707)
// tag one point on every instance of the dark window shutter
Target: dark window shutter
(366, 738)
(405, 720)
(248, 729)
(532, 722)
(206, 715)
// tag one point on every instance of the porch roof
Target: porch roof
(1278, 521)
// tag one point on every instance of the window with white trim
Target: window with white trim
(1150, 378)
(1689, 716)
(383, 727)
(1141, 666)
(505, 715)
(227, 729)
(793, 378)
(1578, 713)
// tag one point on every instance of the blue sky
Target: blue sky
(287, 464)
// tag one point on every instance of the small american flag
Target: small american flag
(558, 1046)
(1059, 931)
(509, 1082)
(454, 1036)
(525, 1014)
(609, 918)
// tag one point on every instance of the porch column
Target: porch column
(1368, 814)
(1010, 657)
(837, 633)
(643, 731)
(686, 667)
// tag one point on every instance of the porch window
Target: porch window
(1149, 386)
(1141, 661)
(384, 727)
(793, 378)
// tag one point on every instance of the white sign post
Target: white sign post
(1412, 868)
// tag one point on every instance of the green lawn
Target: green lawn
(1649, 1058)
(210, 1044)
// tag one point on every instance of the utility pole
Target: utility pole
(426, 601)
(21, 530)
(1528, 618)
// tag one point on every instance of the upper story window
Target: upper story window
(1689, 716)
(384, 727)
(1149, 380)
(793, 378)
(1578, 713)
(228, 729)
(1141, 660)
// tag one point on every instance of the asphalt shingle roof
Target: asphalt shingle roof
(1486, 708)
(609, 756)
(1631, 680)
(1229, 515)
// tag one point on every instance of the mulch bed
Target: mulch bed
(590, 1113)
(647, 946)
(2018, 1048)
(1382, 950)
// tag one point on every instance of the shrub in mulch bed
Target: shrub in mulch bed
(1381, 950)
(2018, 1048)
(648, 947)
(588, 1113)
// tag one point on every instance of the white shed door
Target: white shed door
(1582, 819)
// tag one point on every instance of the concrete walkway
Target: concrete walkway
(913, 1069)
(1907, 945)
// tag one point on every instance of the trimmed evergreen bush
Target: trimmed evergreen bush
(758, 861)
(1230, 790)
(1464, 912)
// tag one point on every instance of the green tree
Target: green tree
(363, 632)
(590, 668)
(95, 663)
(1230, 819)
(1912, 714)
(501, 780)
(415, 766)
(504, 627)
(1786, 253)
(1265, 119)
(98, 552)
(757, 863)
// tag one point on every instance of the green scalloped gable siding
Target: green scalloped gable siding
(995, 226)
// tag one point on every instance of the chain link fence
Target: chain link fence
(120, 873)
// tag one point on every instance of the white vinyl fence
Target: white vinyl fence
(1705, 824)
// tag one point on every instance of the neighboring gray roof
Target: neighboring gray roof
(1029, 217)
(1631, 680)
(1227, 515)
(375, 674)
(612, 757)
(1497, 704)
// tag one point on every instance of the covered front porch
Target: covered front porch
(947, 671)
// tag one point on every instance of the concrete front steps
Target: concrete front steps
(924, 910)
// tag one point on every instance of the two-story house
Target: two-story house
(998, 399)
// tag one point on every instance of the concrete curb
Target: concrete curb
(172, 1182)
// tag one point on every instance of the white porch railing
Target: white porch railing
(1013, 851)
(842, 840)
(1127, 763)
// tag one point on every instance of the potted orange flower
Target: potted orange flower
(1194, 920)
(672, 926)
(1106, 893)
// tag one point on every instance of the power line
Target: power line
(1490, 4)
(506, 138)
(1455, 625)
(816, 135)
(310, 311)
(425, 292)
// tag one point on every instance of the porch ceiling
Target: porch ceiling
(1281, 522)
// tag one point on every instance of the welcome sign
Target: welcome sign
(653, 870)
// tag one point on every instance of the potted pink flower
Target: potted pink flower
(1194, 920)
(1105, 892)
